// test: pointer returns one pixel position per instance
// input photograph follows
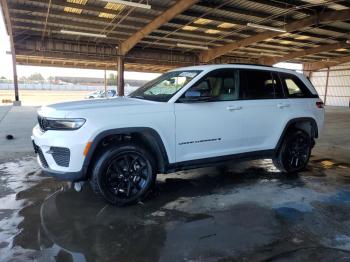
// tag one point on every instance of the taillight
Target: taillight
(319, 104)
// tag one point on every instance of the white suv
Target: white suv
(187, 118)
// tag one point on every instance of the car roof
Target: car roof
(246, 66)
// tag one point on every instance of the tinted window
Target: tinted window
(260, 84)
(294, 86)
(220, 85)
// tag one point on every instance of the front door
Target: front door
(213, 126)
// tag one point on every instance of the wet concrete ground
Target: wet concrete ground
(245, 212)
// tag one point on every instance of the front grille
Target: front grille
(61, 155)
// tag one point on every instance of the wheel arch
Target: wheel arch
(147, 137)
(307, 124)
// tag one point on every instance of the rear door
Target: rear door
(265, 108)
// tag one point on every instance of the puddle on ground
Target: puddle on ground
(16, 178)
(248, 211)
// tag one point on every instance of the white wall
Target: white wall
(338, 85)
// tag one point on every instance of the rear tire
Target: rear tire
(294, 153)
(123, 174)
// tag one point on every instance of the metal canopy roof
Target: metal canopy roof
(39, 40)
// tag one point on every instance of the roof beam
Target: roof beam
(49, 61)
(327, 17)
(25, 10)
(59, 4)
(85, 51)
(136, 20)
(55, 25)
(34, 27)
(234, 10)
(309, 51)
(165, 17)
(315, 66)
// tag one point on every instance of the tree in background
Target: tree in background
(112, 79)
(23, 79)
(3, 80)
(36, 77)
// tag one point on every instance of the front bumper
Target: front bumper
(44, 142)
(66, 176)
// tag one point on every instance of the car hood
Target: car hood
(69, 108)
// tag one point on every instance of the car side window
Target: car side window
(260, 84)
(294, 86)
(219, 85)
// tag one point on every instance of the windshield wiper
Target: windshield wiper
(139, 97)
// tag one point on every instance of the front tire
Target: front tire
(294, 153)
(123, 174)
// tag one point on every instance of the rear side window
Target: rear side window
(260, 84)
(295, 88)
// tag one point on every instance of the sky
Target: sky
(6, 65)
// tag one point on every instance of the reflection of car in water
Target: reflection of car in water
(101, 94)
(97, 232)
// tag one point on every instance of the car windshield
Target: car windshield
(164, 87)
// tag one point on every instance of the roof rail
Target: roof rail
(249, 64)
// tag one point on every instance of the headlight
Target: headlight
(60, 124)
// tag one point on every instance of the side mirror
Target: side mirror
(192, 94)
(194, 97)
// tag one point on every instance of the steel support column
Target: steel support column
(326, 88)
(120, 76)
(15, 79)
(13, 53)
(105, 82)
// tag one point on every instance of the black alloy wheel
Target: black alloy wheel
(123, 174)
(295, 152)
(126, 175)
